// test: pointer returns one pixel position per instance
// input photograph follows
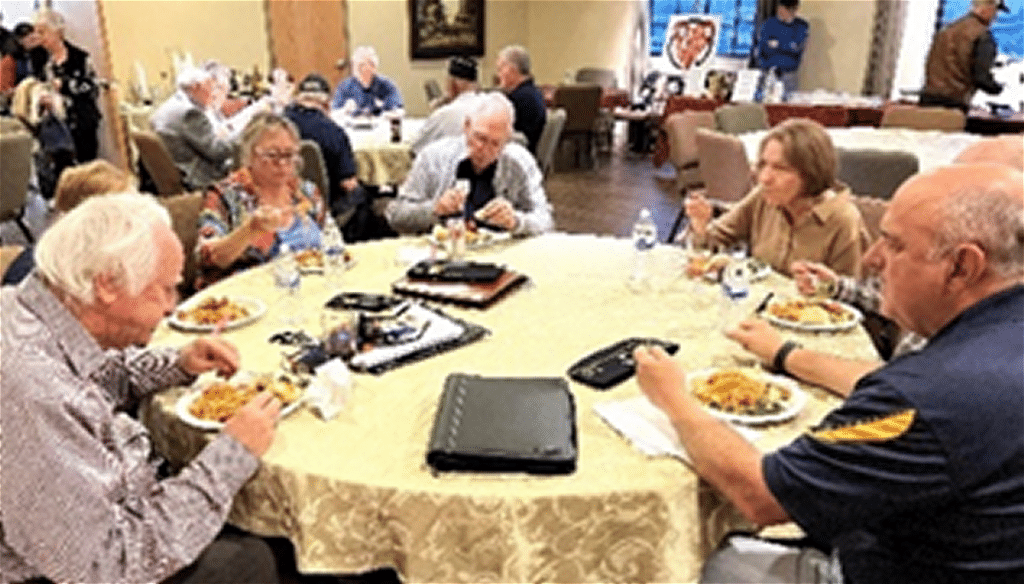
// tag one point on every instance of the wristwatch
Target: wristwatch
(779, 362)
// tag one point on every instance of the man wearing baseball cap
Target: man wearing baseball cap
(450, 119)
(960, 59)
(309, 112)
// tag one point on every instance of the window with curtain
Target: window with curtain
(738, 22)
(1006, 27)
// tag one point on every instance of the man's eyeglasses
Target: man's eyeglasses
(278, 156)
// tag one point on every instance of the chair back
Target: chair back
(548, 142)
(871, 210)
(723, 166)
(737, 118)
(10, 124)
(601, 76)
(314, 168)
(184, 210)
(581, 102)
(15, 172)
(157, 161)
(875, 173)
(924, 118)
(681, 130)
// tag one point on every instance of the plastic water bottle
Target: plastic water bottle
(288, 280)
(735, 290)
(333, 245)
(645, 237)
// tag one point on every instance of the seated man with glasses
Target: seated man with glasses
(248, 216)
(501, 183)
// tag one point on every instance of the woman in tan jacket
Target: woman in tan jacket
(797, 209)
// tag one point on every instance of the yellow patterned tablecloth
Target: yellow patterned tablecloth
(355, 494)
(379, 161)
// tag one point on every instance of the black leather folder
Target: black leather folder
(504, 424)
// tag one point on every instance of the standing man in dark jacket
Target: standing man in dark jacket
(514, 77)
(346, 197)
(70, 71)
(960, 60)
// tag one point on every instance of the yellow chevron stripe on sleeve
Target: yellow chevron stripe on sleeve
(878, 430)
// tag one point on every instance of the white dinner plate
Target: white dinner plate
(484, 238)
(854, 319)
(181, 408)
(792, 407)
(255, 306)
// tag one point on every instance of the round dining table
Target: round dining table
(380, 160)
(354, 493)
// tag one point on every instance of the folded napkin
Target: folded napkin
(648, 428)
(329, 390)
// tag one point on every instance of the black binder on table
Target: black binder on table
(504, 424)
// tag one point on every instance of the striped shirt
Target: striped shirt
(80, 499)
(517, 179)
(866, 295)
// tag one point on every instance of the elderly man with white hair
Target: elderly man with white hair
(504, 183)
(184, 124)
(365, 93)
(82, 492)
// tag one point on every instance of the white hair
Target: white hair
(192, 76)
(990, 215)
(518, 56)
(109, 234)
(50, 18)
(493, 102)
(365, 53)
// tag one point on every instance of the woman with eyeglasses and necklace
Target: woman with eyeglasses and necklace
(249, 215)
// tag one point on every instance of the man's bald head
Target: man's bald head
(1007, 150)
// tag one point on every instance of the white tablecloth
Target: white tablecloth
(932, 148)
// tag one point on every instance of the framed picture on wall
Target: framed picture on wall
(445, 28)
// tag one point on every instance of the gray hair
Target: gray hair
(192, 76)
(490, 103)
(517, 55)
(992, 216)
(259, 125)
(50, 18)
(107, 235)
(365, 53)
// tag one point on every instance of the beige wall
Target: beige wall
(838, 48)
(560, 34)
(150, 31)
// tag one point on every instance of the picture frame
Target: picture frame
(446, 28)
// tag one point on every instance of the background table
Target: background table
(355, 493)
(932, 148)
(379, 161)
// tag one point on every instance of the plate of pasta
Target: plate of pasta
(208, 313)
(812, 314)
(311, 261)
(746, 396)
(211, 402)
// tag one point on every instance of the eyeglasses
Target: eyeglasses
(278, 156)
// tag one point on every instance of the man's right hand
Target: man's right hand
(254, 423)
(450, 203)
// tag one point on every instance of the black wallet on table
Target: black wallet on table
(451, 271)
(504, 424)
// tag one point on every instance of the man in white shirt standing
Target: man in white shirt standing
(449, 119)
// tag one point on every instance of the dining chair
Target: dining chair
(724, 169)
(582, 103)
(875, 173)
(924, 118)
(549, 138)
(313, 167)
(737, 118)
(9, 253)
(681, 130)
(871, 210)
(599, 75)
(184, 209)
(157, 162)
(15, 173)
